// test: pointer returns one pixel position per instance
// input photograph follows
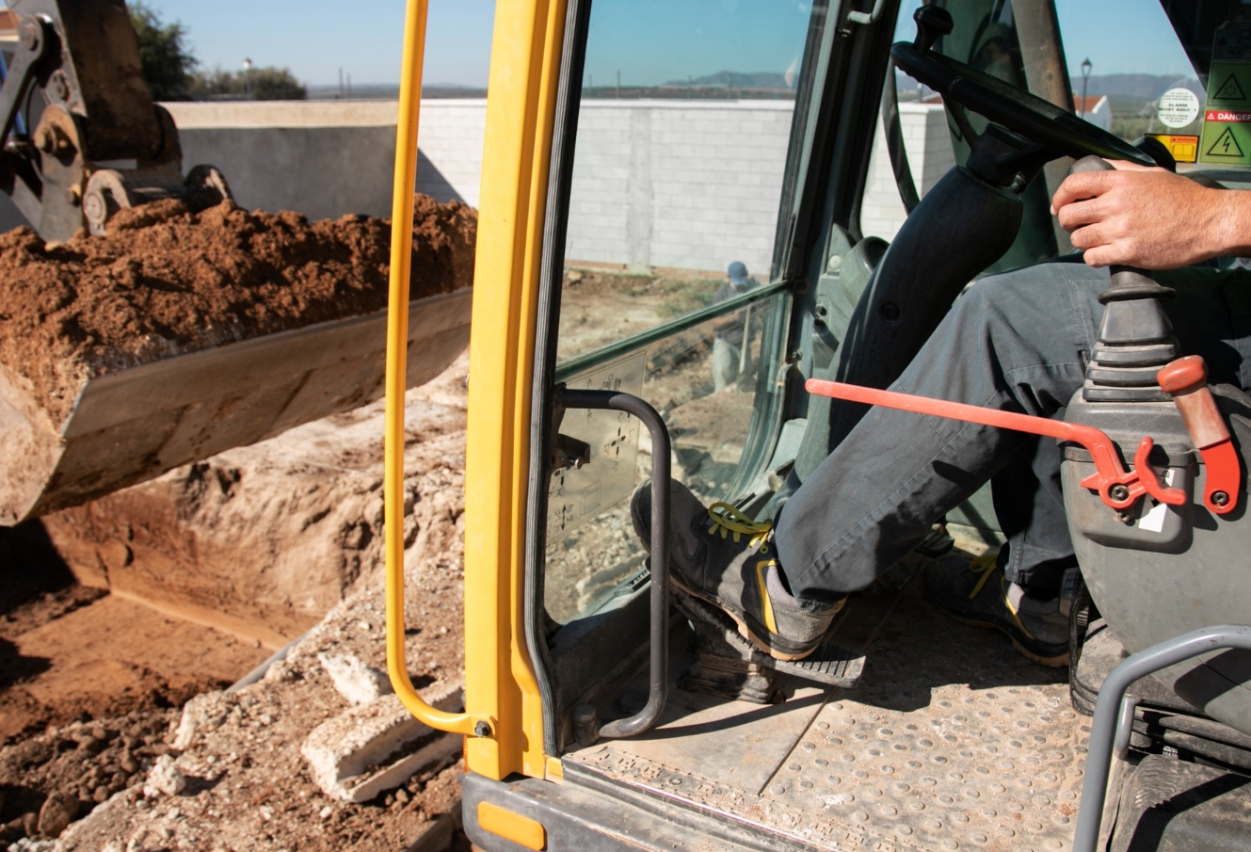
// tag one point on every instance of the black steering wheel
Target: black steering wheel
(1057, 132)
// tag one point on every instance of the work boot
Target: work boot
(721, 556)
(977, 592)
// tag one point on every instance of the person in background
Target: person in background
(728, 337)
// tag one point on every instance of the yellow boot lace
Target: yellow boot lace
(985, 565)
(728, 520)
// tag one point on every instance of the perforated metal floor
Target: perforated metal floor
(952, 740)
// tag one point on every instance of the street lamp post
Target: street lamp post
(1086, 66)
(247, 78)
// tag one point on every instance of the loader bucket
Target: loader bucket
(133, 424)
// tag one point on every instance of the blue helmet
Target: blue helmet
(737, 273)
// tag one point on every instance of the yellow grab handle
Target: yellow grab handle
(396, 381)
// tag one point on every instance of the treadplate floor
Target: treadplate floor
(951, 740)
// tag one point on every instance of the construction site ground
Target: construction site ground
(123, 610)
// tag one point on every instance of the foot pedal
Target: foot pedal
(728, 664)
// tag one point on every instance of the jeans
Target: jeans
(1020, 342)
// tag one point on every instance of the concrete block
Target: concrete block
(354, 680)
(369, 749)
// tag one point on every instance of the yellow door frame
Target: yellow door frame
(503, 718)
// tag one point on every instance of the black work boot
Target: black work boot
(721, 556)
(975, 591)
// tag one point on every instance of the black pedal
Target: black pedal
(729, 665)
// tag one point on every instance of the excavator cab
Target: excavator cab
(609, 349)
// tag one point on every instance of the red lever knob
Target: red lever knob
(1187, 380)
(1183, 374)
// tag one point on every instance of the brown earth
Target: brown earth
(261, 541)
(247, 786)
(191, 572)
(167, 280)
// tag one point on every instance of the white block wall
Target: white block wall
(928, 143)
(683, 184)
(678, 184)
(449, 141)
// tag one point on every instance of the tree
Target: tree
(266, 84)
(163, 54)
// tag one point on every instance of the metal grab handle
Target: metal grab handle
(1105, 730)
(658, 675)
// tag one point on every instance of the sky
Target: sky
(661, 41)
(315, 38)
(648, 41)
(1118, 36)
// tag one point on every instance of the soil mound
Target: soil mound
(167, 280)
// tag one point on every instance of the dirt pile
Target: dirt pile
(167, 280)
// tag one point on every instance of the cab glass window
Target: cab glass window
(683, 130)
(1125, 64)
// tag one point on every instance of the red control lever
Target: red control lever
(1187, 380)
(1117, 487)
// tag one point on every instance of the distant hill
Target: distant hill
(736, 80)
(1145, 87)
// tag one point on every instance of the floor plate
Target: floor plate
(951, 740)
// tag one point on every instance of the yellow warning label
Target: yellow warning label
(1185, 149)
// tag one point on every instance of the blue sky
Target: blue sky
(315, 38)
(649, 41)
(660, 41)
(1118, 36)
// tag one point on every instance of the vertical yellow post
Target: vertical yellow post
(396, 380)
(521, 106)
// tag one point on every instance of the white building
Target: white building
(1095, 109)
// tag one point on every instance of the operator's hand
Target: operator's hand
(1151, 218)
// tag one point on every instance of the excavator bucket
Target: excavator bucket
(133, 424)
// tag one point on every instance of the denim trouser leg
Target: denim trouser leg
(1019, 342)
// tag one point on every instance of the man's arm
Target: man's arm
(1152, 218)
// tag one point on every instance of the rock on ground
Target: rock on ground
(231, 775)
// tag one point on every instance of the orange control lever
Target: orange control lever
(1117, 487)
(1187, 380)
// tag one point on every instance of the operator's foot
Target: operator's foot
(976, 592)
(719, 555)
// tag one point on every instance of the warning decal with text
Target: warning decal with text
(1226, 137)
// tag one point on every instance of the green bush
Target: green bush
(267, 84)
(167, 63)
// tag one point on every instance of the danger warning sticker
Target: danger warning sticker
(1226, 137)
(1226, 115)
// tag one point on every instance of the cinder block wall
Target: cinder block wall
(656, 183)
(928, 144)
(678, 184)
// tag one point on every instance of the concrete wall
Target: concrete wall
(928, 143)
(656, 183)
(329, 158)
(678, 184)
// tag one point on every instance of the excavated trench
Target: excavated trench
(114, 613)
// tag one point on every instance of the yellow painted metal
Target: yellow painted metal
(397, 359)
(521, 104)
(521, 830)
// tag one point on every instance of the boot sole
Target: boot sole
(746, 632)
(1058, 661)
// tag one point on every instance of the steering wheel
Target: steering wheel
(1058, 132)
